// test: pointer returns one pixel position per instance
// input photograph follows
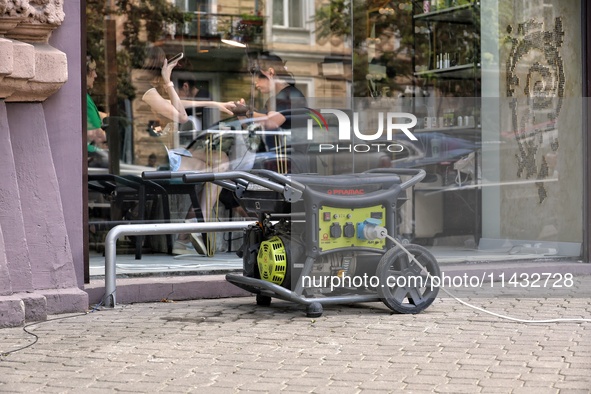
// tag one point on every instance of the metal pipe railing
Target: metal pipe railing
(109, 299)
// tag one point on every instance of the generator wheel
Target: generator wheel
(263, 300)
(314, 310)
(404, 287)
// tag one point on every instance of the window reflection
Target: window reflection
(397, 57)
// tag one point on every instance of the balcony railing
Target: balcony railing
(207, 26)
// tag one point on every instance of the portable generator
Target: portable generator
(323, 240)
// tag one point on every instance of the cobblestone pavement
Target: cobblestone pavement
(231, 345)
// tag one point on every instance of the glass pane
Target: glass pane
(492, 147)
(192, 5)
(537, 121)
(278, 13)
(200, 5)
(296, 17)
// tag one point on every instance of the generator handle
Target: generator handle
(236, 176)
(158, 175)
(232, 186)
(281, 178)
(416, 173)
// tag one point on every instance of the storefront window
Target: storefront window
(494, 87)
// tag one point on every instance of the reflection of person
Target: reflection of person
(274, 79)
(165, 102)
(96, 136)
(152, 160)
(172, 107)
(188, 90)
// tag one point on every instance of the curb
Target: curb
(161, 288)
(190, 287)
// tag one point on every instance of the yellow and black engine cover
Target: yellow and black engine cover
(272, 260)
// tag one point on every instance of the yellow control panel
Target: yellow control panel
(343, 227)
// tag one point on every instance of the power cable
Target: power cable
(3, 355)
(423, 269)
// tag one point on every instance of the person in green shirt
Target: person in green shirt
(96, 136)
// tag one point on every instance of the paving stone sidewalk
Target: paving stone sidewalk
(231, 345)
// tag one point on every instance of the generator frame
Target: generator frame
(312, 191)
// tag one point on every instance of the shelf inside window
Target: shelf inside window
(453, 130)
(463, 71)
(460, 14)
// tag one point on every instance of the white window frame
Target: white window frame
(283, 33)
(213, 6)
(184, 7)
(309, 85)
(286, 13)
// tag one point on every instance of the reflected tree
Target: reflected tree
(382, 37)
(143, 22)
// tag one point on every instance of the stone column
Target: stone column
(37, 274)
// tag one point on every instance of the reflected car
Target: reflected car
(294, 153)
(439, 154)
(431, 148)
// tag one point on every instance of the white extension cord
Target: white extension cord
(384, 234)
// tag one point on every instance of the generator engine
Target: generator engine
(272, 253)
(268, 252)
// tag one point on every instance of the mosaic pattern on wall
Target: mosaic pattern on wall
(535, 84)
